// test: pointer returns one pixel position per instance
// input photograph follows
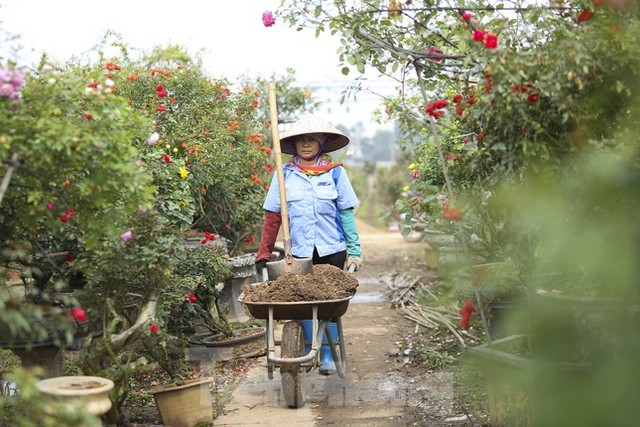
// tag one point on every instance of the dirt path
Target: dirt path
(380, 389)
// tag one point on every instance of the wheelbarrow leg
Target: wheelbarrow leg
(341, 359)
(271, 345)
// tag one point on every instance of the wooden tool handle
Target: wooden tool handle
(273, 110)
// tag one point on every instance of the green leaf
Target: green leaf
(34, 197)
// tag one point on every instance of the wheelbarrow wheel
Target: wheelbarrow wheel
(293, 376)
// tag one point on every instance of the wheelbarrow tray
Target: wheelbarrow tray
(327, 309)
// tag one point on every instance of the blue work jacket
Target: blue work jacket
(314, 203)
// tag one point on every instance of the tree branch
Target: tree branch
(100, 352)
(13, 164)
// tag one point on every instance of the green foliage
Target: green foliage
(377, 188)
(431, 358)
(291, 100)
(106, 164)
(120, 275)
(94, 174)
(520, 102)
(168, 352)
(193, 300)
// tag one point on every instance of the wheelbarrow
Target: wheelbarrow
(293, 361)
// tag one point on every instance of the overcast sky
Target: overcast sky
(231, 33)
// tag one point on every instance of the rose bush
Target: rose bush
(487, 93)
(50, 215)
(207, 149)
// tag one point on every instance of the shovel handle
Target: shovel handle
(273, 111)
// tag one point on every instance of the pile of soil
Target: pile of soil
(326, 282)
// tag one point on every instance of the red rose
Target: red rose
(584, 16)
(451, 214)
(491, 41)
(466, 311)
(79, 314)
(478, 35)
(153, 328)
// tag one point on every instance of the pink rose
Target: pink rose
(267, 19)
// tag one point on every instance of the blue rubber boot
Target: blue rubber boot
(307, 332)
(327, 365)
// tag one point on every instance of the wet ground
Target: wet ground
(379, 388)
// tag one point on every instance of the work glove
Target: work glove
(270, 228)
(354, 260)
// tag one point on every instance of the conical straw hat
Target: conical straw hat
(311, 124)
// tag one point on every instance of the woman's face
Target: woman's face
(307, 148)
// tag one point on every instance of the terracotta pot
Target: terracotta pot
(186, 404)
(78, 393)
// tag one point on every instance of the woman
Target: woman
(320, 203)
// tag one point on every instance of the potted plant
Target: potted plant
(193, 302)
(201, 276)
